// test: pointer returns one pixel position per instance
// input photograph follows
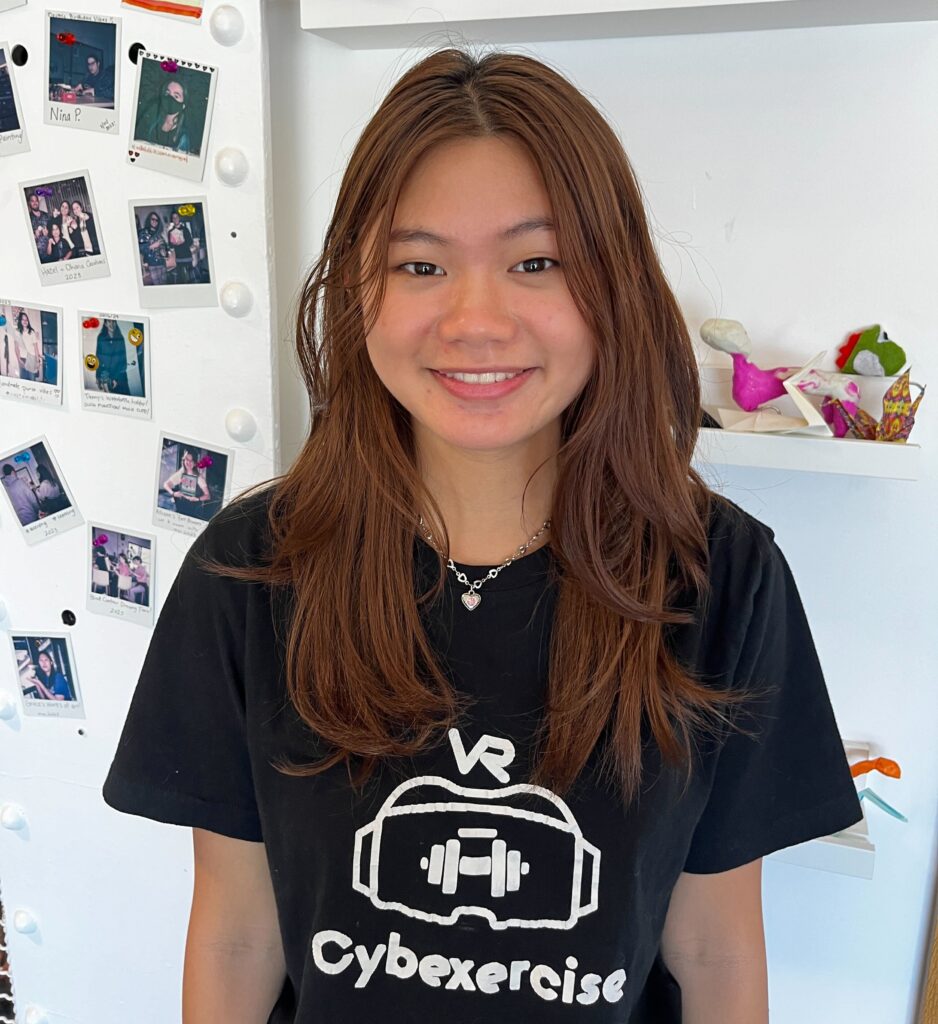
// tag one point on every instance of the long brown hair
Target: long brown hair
(629, 513)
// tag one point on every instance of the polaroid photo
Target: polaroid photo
(192, 484)
(83, 67)
(120, 574)
(172, 115)
(64, 229)
(12, 126)
(175, 266)
(189, 9)
(45, 670)
(115, 363)
(30, 340)
(36, 490)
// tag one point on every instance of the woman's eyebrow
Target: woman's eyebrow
(422, 235)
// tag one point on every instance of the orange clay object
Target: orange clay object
(879, 764)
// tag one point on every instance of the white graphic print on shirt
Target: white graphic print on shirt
(433, 838)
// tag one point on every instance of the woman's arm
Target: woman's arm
(234, 967)
(714, 945)
(206, 492)
(170, 482)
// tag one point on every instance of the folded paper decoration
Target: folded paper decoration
(898, 414)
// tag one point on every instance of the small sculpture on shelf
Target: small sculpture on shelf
(753, 387)
(886, 767)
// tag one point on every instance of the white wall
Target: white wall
(791, 177)
(111, 892)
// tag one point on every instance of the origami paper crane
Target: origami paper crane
(898, 414)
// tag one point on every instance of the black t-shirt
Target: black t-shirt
(445, 890)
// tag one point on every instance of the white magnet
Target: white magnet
(36, 1015)
(12, 817)
(231, 166)
(24, 922)
(227, 25)
(7, 707)
(240, 424)
(236, 299)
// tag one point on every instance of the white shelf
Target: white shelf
(886, 460)
(376, 24)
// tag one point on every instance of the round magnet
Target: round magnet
(227, 25)
(22, 457)
(36, 1015)
(7, 707)
(236, 299)
(91, 362)
(3, 320)
(91, 323)
(135, 336)
(101, 539)
(24, 922)
(186, 210)
(231, 166)
(12, 817)
(169, 66)
(240, 424)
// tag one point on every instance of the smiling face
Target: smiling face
(188, 461)
(474, 285)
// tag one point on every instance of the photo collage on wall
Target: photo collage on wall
(157, 108)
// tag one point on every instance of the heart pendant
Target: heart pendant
(471, 600)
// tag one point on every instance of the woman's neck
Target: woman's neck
(480, 497)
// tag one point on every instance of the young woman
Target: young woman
(188, 488)
(111, 351)
(49, 680)
(27, 342)
(507, 706)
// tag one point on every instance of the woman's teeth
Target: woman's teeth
(481, 378)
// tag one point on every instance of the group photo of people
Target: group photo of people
(44, 669)
(119, 365)
(121, 566)
(191, 480)
(172, 244)
(32, 485)
(61, 220)
(29, 344)
(82, 61)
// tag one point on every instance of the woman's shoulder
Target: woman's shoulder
(741, 547)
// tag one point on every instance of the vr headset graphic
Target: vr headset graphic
(513, 856)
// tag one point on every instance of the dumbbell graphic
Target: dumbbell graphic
(447, 862)
(514, 856)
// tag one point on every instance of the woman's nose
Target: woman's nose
(476, 309)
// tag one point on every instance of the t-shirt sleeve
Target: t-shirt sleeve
(183, 754)
(785, 778)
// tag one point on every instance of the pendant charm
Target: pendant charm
(471, 600)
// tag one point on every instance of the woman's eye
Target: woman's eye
(535, 265)
(421, 269)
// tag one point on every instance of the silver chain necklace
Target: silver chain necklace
(472, 599)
